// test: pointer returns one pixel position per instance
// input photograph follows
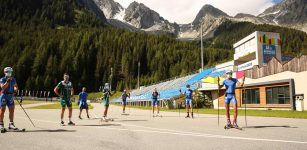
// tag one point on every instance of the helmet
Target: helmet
(8, 71)
(229, 72)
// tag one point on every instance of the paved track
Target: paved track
(140, 131)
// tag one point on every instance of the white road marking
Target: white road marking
(183, 133)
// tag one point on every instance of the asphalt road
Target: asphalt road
(140, 131)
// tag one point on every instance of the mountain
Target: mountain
(290, 13)
(209, 17)
(136, 17)
(110, 8)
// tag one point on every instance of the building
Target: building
(270, 83)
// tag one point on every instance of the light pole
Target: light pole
(201, 43)
(111, 79)
(139, 65)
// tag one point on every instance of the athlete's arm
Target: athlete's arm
(56, 91)
(72, 92)
(6, 84)
(241, 83)
(218, 83)
(15, 88)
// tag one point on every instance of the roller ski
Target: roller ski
(2, 129)
(228, 125)
(105, 119)
(157, 115)
(12, 128)
(235, 125)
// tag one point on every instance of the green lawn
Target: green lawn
(25, 102)
(56, 105)
(95, 95)
(241, 112)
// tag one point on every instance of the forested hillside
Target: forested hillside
(42, 39)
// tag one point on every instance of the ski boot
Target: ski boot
(12, 126)
(88, 117)
(228, 125)
(70, 123)
(188, 115)
(62, 123)
(2, 129)
(192, 115)
(80, 118)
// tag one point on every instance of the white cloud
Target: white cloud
(184, 11)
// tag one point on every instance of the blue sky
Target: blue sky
(184, 11)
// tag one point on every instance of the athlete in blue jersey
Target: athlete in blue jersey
(155, 103)
(230, 97)
(188, 101)
(83, 102)
(8, 88)
(125, 95)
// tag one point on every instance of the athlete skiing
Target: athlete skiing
(65, 91)
(155, 103)
(125, 95)
(8, 88)
(230, 97)
(83, 102)
(188, 101)
(106, 101)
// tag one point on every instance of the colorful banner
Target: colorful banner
(269, 41)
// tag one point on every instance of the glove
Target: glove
(20, 100)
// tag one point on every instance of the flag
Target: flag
(240, 74)
(212, 80)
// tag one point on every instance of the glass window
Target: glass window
(278, 95)
(251, 96)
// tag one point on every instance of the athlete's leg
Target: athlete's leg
(69, 113)
(86, 111)
(80, 112)
(106, 111)
(2, 112)
(158, 109)
(227, 111)
(62, 113)
(11, 113)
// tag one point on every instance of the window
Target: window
(278, 95)
(252, 96)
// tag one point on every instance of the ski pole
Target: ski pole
(244, 101)
(25, 111)
(218, 104)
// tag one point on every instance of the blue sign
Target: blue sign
(269, 51)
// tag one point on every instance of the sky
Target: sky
(184, 11)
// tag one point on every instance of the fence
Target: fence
(274, 66)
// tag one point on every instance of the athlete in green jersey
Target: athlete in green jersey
(106, 100)
(65, 91)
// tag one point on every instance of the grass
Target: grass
(25, 102)
(56, 105)
(241, 112)
(98, 95)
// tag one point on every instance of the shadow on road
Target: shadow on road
(49, 130)
(284, 126)
(130, 120)
(98, 125)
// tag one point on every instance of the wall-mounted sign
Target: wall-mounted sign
(269, 51)
(246, 66)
